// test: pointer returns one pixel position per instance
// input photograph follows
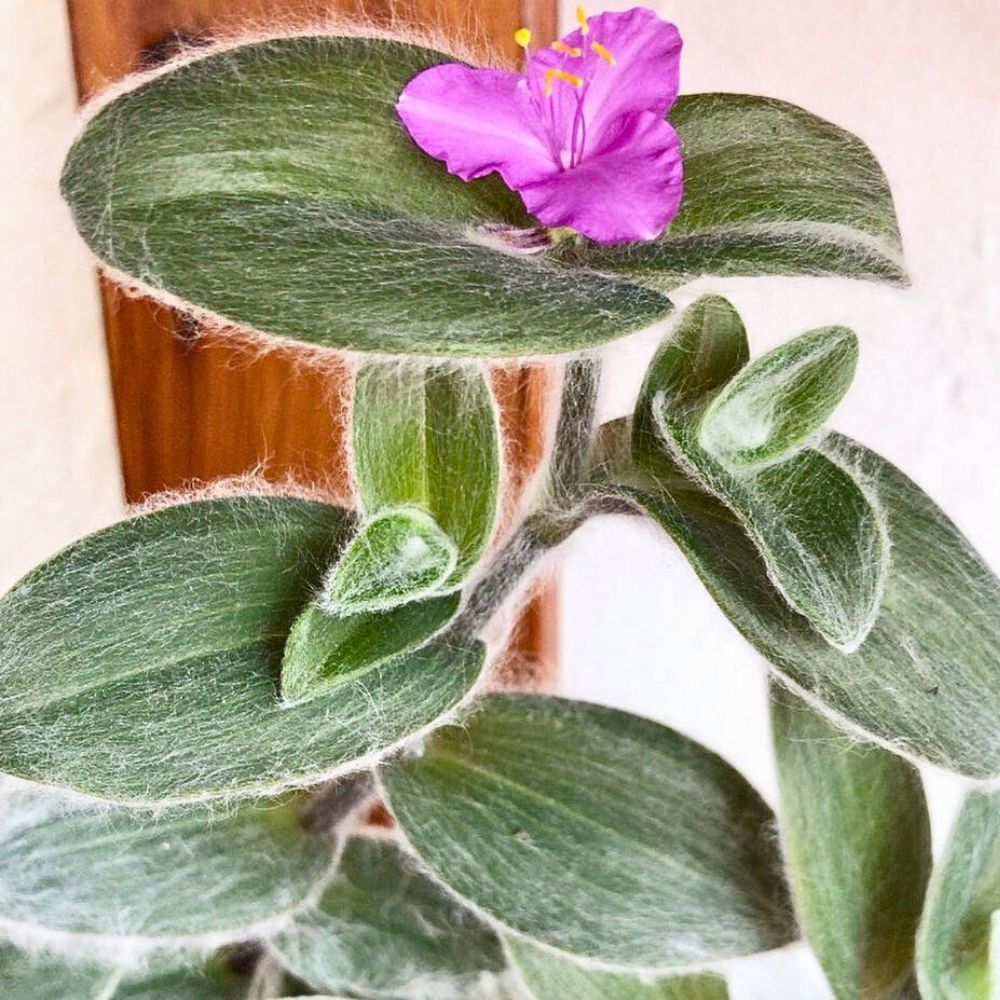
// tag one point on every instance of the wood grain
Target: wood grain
(192, 407)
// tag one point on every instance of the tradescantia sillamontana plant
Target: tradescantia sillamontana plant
(198, 706)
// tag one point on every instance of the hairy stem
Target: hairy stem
(575, 428)
(538, 534)
(557, 520)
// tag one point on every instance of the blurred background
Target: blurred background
(916, 79)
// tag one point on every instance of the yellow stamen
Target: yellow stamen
(603, 53)
(557, 74)
(570, 50)
(582, 18)
(523, 37)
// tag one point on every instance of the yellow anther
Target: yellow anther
(570, 50)
(523, 37)
(582, 18)
(603, 53)
(552, 75)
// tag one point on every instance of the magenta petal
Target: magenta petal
(645, 75)
(629, 191)
(477, 121)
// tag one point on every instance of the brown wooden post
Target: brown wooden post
(192, 407)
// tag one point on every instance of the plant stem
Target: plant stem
(574, 430)
(557, 519)
(538, 534)
(521, 550)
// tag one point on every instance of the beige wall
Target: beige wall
(58, 460)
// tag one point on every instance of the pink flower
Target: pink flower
(581, 134)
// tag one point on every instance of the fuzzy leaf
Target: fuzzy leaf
(142, 663)
(326, 650)
(857, 839)
(384, 929)
(924, 681)
(706, 351)
(773, 405)
(768, 189)
(397, 556)
(45, 977)
(958, 946)
(549, 976)
(815, 526)
(662, 856)
(273, 185)
(77, 877)
(428, 437)
(180, 985)
(49, 977)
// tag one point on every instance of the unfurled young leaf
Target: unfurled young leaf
(114, 883)
(857, 839)
(550, 976)
(328, 649)
(768, 189)
(384, 929)
(595, 832)
(142, 663)
(924, 680)
(774, 404)
(427, 437)
(399, 555)
(958, 951)
(815, 525)
(706, 351)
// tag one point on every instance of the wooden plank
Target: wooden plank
(196, 408)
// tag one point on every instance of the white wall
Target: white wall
(58, 457)
(918, 80)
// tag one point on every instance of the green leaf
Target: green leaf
(24, 976)
(958, 946)
(272, 184)
(81, 876)
(428, 437)
(924, 680)
(384, 929)
(816, 527)
(857, 839)
(326, 650)
(549, 976)
(662, 856)
(181, 985)
(398, 555)
(45, 977)
(773, 405)
(707, 349)
(768, 189)
(822, 537)
(142, 663)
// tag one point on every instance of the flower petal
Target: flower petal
(629, 190)
(644, 76)
(477, 121)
